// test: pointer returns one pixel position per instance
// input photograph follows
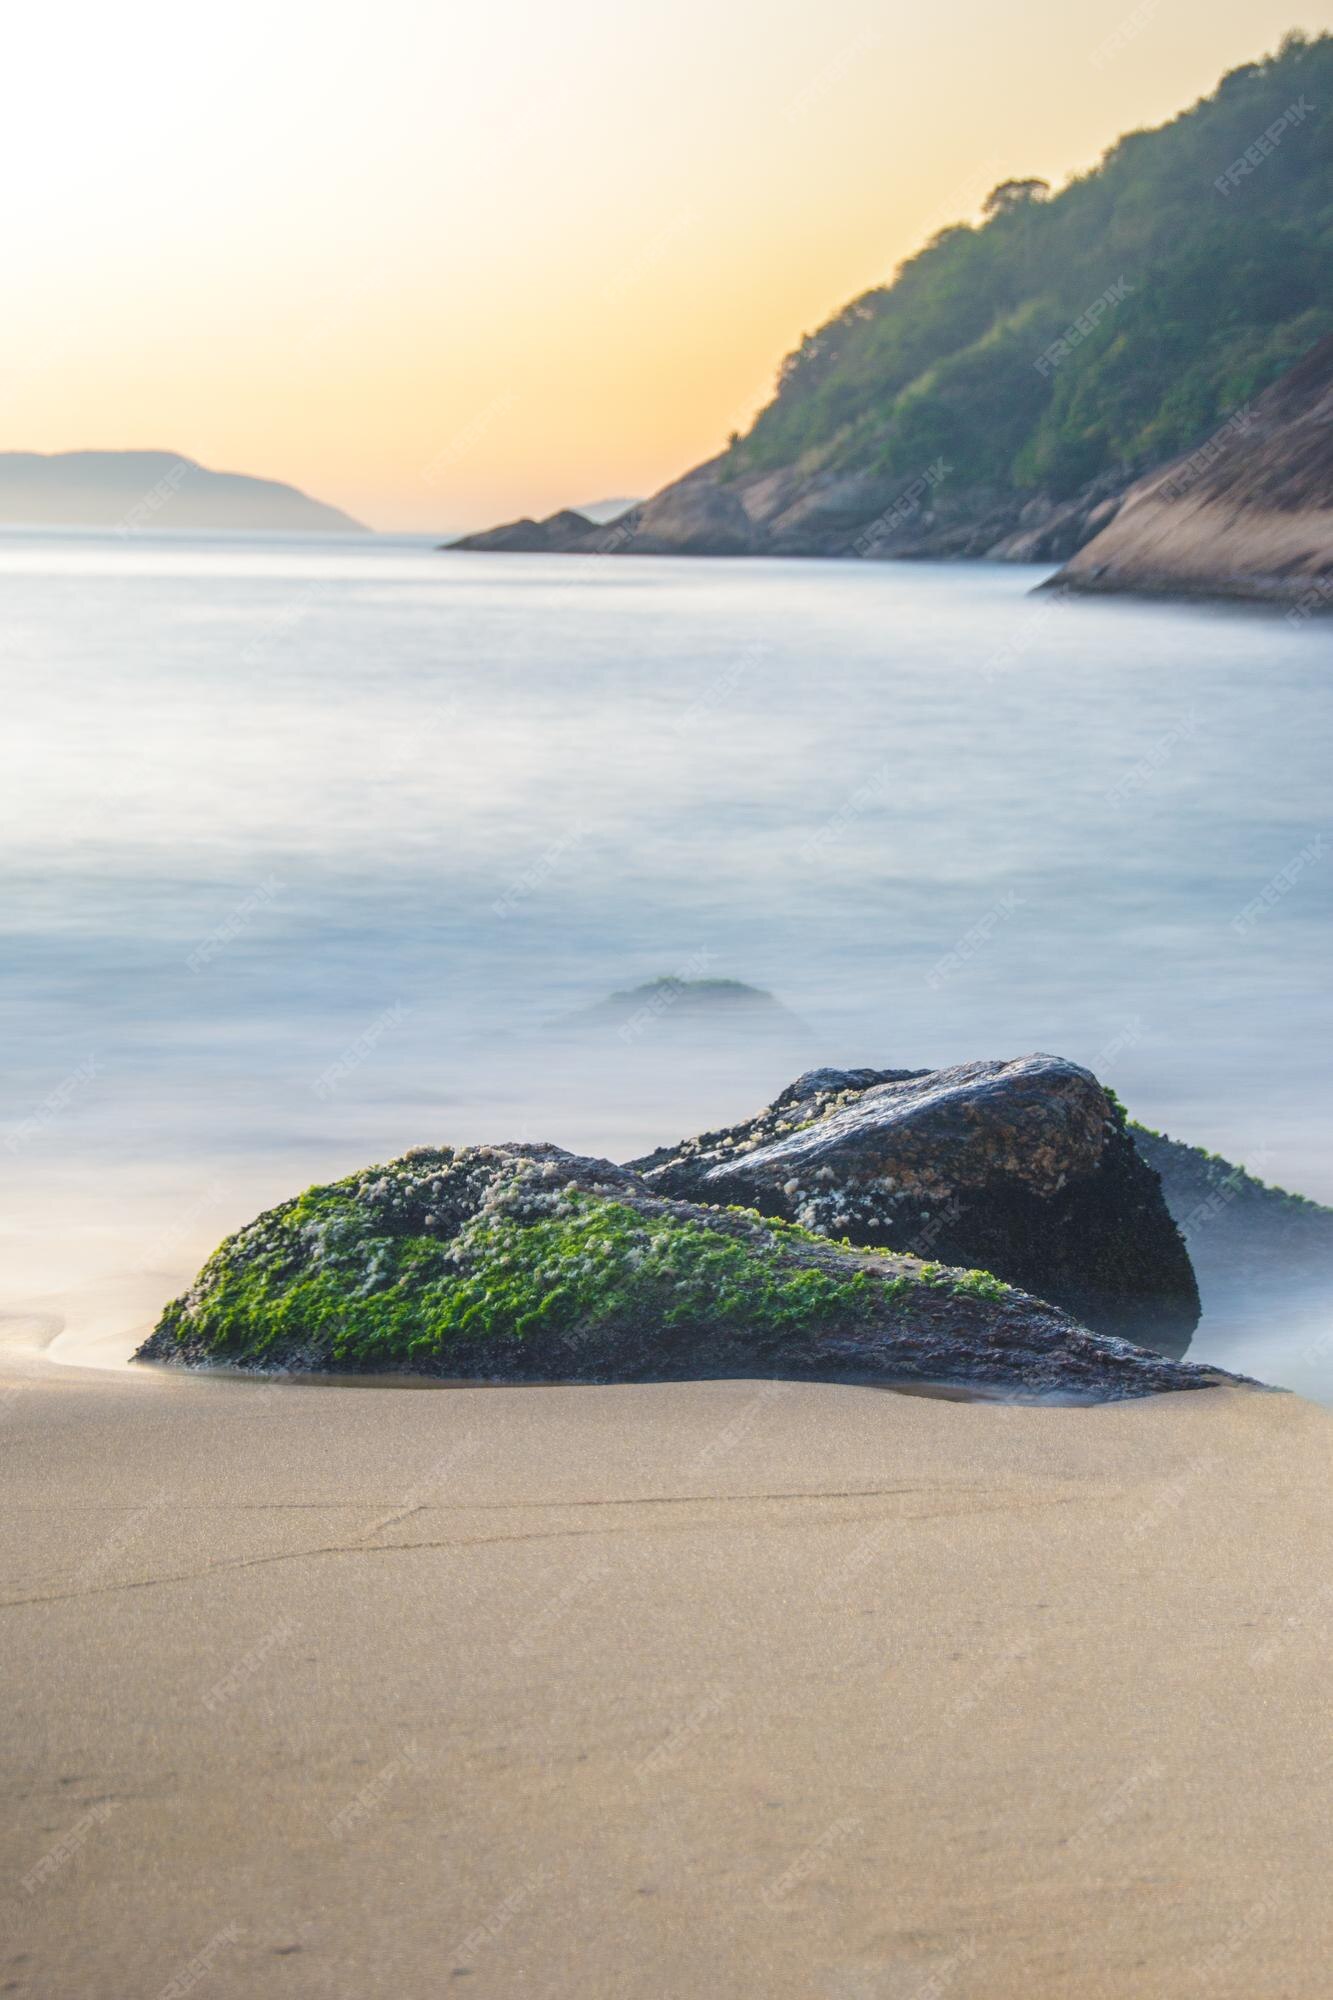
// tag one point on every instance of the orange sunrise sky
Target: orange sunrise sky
(445, 264)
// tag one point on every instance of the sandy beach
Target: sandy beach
(729, 1689)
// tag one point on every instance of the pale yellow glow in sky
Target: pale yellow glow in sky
(444, 263)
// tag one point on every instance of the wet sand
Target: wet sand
(730, 1689)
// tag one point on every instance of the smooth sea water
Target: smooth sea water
(310, 848)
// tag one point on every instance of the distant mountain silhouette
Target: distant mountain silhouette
(148, 491)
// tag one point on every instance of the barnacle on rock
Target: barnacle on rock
(1025, 1167)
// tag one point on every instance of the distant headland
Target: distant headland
(1019, 377)
(145, 492)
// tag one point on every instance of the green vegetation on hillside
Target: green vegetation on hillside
(1112, 324)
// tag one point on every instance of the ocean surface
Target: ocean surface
(316, 850)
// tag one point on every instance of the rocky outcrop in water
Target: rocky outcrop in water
(1249, 513)
(560, 534)
(529, 1264)
(1023, 1167)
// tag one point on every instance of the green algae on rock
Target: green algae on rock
(527, 1263)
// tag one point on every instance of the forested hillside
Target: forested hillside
(1110, 324)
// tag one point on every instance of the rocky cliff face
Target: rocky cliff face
(805, 510)
(1249, 513)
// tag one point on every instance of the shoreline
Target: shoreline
(108, 1345)
(1262, 593)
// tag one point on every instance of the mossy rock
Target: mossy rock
(529, 1264)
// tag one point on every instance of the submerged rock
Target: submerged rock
(1023, 1167)
(528, 1264)
(697, 1007)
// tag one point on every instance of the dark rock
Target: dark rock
(1024, 1167)
(528, 1264)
